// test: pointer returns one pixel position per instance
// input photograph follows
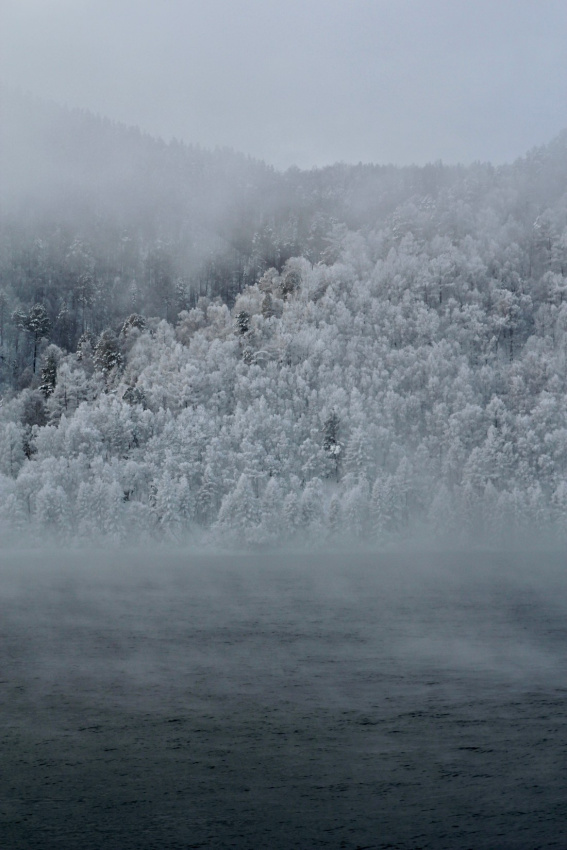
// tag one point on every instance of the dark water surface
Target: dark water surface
(360, 701)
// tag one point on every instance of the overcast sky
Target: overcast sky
(305, 82)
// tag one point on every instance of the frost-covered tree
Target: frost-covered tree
(52, 510)
(12, 454)
(239, 514)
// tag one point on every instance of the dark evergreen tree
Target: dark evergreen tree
(86, 346)
(331, 443)
(36, 323)
(243, 322)
(107, 354)
(133, 321)
(291, 281)
(134, 395)
(49, 374)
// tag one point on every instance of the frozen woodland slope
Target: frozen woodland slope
(196, 347)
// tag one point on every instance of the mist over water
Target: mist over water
(284, 700)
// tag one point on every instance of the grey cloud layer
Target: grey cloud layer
(408, 81)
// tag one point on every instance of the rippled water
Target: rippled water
(412, 701)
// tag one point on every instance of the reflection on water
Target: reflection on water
(308, 701)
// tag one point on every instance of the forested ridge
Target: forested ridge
(197, 347)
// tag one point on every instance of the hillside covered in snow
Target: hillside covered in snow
(353, 353)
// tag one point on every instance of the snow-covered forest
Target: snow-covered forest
(196, 347)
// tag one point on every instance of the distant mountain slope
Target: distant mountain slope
(99, 220)
(247, 357)
(73, 168)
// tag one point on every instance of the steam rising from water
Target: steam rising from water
(176, 624)
(170, 699)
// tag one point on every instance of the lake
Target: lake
(167, 700)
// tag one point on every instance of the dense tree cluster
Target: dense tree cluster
(404, 373)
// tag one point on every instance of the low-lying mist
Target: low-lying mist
(167, 627)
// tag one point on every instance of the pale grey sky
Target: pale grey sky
(305, 81)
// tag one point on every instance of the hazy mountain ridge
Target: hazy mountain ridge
(403, 373)
(152, 226)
